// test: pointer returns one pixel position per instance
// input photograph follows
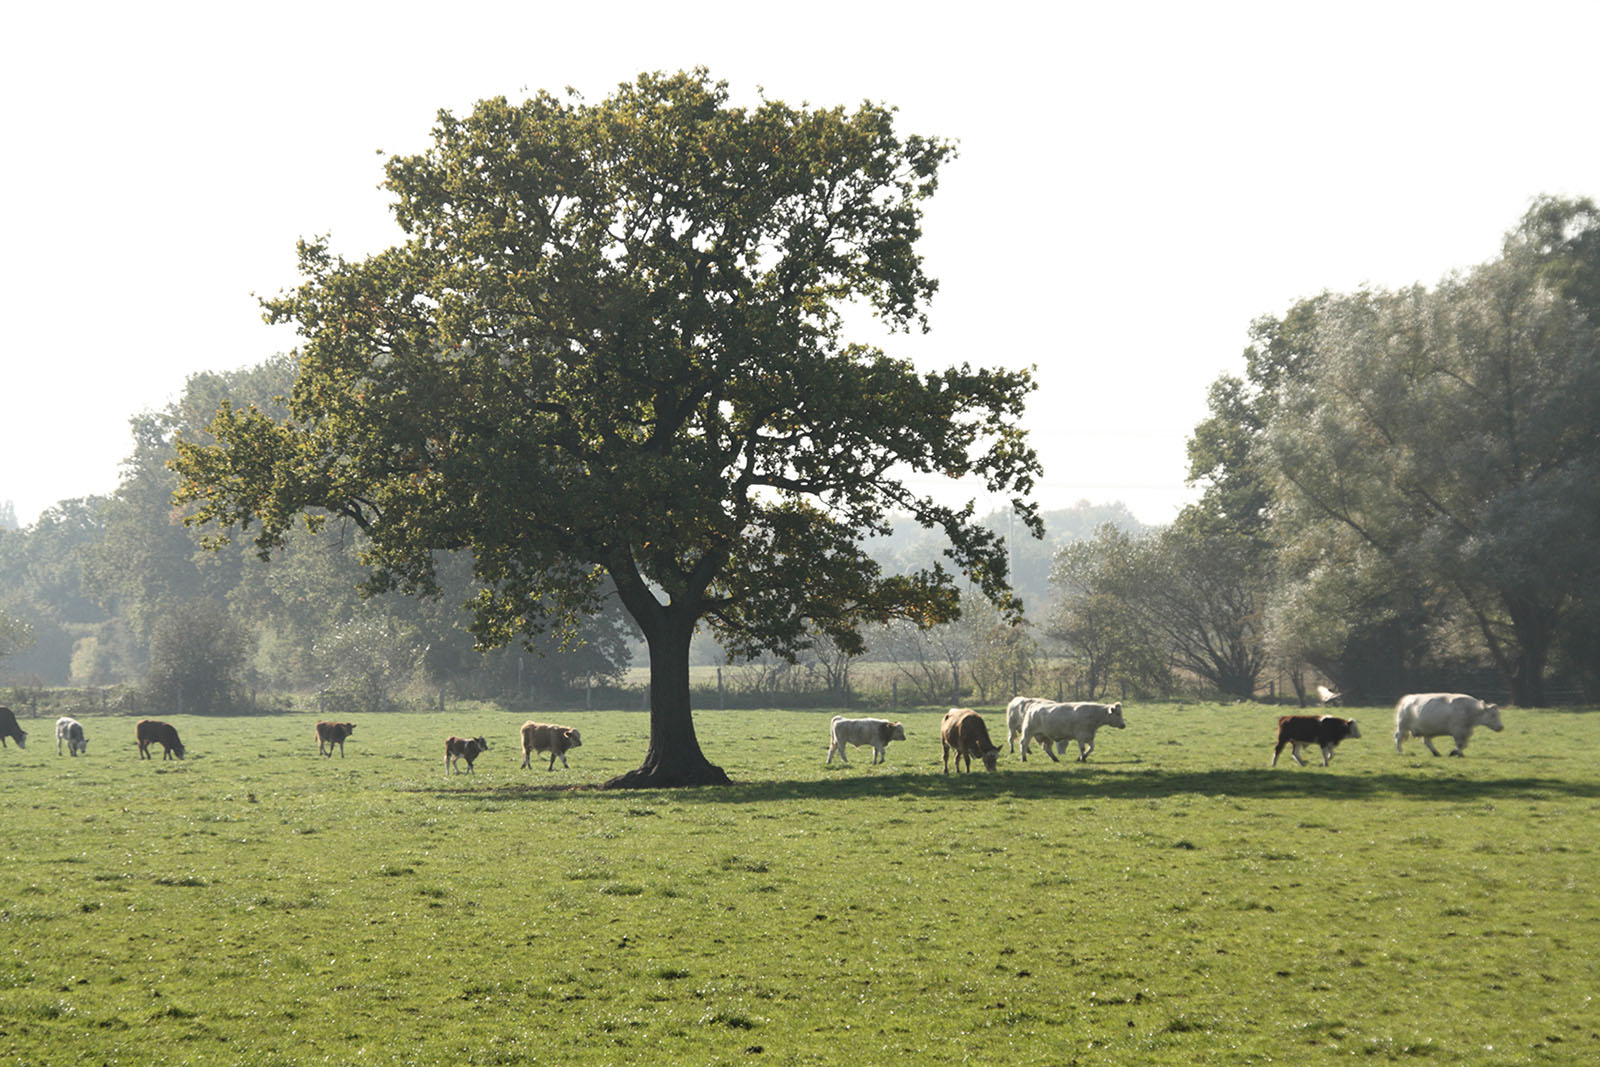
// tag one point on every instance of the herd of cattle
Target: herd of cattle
(1051, 723)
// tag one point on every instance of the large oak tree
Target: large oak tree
(613, 343)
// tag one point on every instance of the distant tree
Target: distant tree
(613, 345)
(1003, 653)
(198, 660)
(364, 662)
(1095, 619)
(1204, 589)
(15, 635)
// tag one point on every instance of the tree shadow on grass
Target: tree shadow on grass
(1081, 783)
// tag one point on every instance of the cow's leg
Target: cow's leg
(1327, 754)
(1461, 743)
(553, 761)
(1083, 751)
(1052, 749)
(1399, 736)
(1276, 752)
(1429, 742)
(1294, 750)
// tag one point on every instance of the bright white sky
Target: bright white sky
(1136, 181)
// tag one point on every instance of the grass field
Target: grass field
(1172, 901)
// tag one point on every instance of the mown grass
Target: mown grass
(1172, 901)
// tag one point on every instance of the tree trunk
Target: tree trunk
(674, 758)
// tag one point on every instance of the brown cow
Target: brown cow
(333, 733)
(964, 731)
(9, 728)
(154, 732)
(1324, 731)
(543, 737)
(458, 748)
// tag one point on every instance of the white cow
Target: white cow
(1016, 715)
(875, 732)
(70, 730)
(1047, 722)
(1327, 696)
(1428, 715)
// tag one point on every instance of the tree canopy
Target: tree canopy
(613, 344)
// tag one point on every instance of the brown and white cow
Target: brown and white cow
(9, 728)
(333, 733)
(1324, 731)
(155, 732)
(544, 737)
(876, 733)
(963, 731)
(462, 748)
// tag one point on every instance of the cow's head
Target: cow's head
(897, 732)
(1351, 729)
(989, 755)
(482, 743)
(1490, 717)
(1114, 716)
(573, 740)
(21, 737)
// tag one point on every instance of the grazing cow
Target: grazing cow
(964, 731)
(1326, 696)
(875, 732)
(543, 737)
(1059, 723)
(459, 748)
(9, 728)
(333, 733)
(1324, 731)
(71, 731)
(154, 732)
(1016, 715)
(1428, 715)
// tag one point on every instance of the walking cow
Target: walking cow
(876, 733)
(333, 733)
(1324, 731)
(1430, 715)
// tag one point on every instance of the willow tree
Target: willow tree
(613, 343)
(1448, 437)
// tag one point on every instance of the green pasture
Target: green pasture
(1172, 901)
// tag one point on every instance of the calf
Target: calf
(9, 728)
(333, 733)
(1324, 731)
(543, 737)
(875, 732)
(1326, 696)
(1429, 715)
(963, 731)
(462, 748)
(152, 731)
(1049, 722)
(71, 731)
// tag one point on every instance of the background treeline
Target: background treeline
(1402, 492)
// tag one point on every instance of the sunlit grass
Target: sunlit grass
(1171, 901)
